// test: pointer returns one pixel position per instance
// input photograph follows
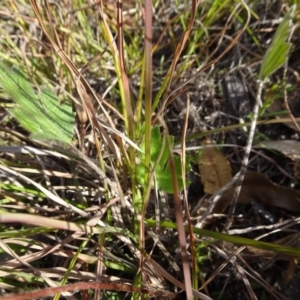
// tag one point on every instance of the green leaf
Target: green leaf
(277, 52)
(39, 113)
(160, 159)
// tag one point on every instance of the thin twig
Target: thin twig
(245, 158)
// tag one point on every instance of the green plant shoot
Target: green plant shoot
(277, 52)
(39, 113)
(160, 159)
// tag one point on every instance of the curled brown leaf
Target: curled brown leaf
(259, 188)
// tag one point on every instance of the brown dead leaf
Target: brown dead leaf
(258, 188)
(215, 170)
(289, 148)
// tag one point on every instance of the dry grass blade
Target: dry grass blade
(86, 286)
(85, 213)
(179, 221)
(177, 91)
(45, 191)
(50, 223)
(81, 83)
(183, 162)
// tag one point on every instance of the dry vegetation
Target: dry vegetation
(118, 102)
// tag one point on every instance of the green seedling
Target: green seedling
(160, 163)
(277, 52)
